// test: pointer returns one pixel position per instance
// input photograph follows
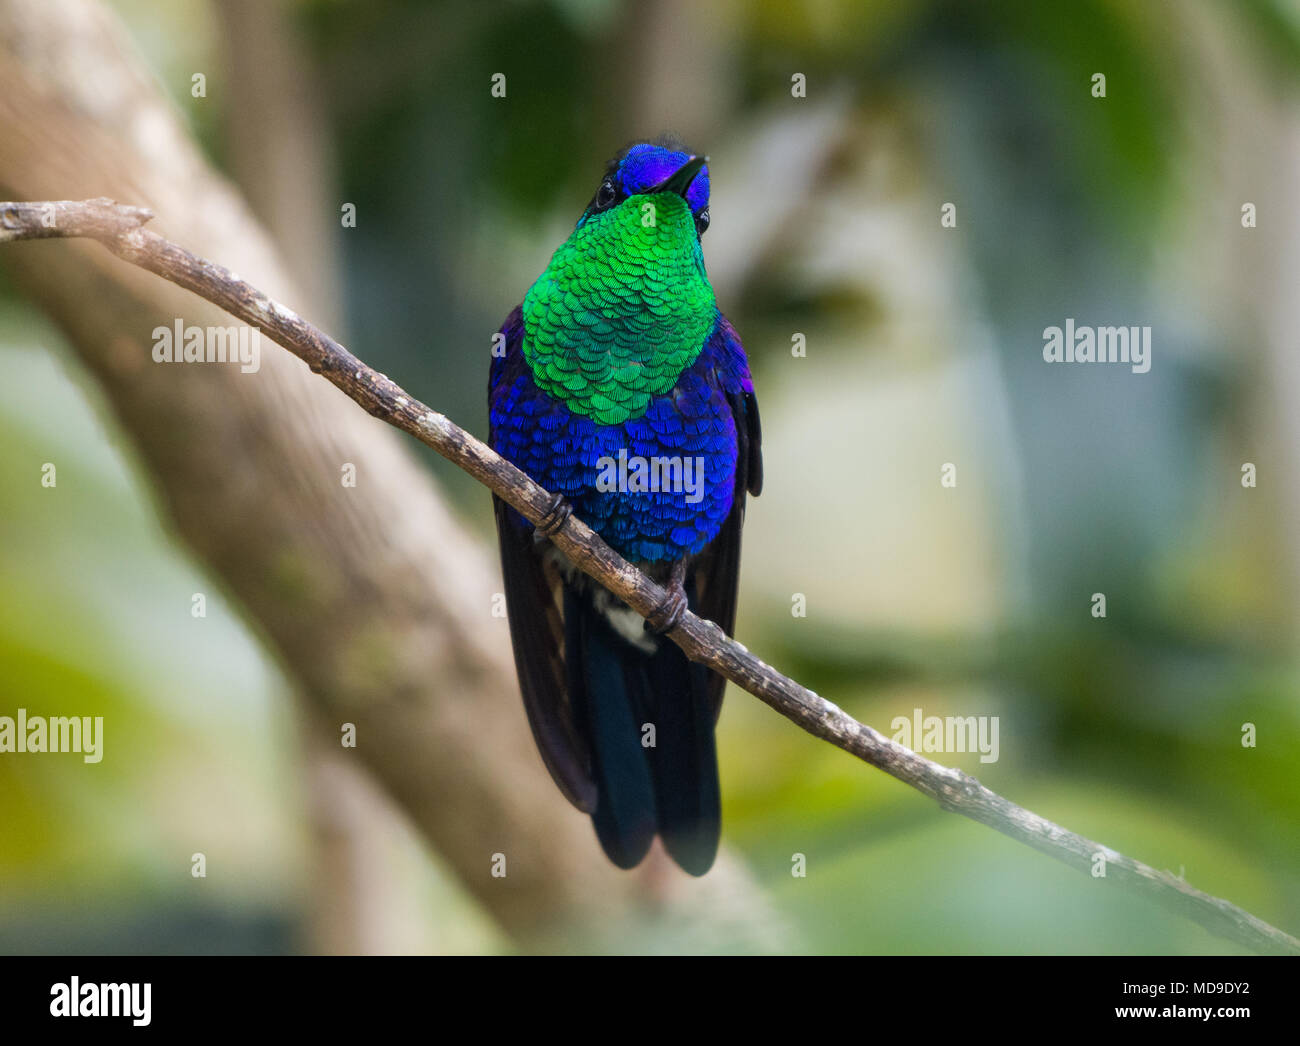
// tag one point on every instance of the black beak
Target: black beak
(680, 180)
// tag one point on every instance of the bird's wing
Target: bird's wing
(537, 635)
(717, 571)
(533, 607)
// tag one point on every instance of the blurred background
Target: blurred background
(923, 347)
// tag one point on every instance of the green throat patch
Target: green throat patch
(622, 309)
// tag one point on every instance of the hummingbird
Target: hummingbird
(620, 387)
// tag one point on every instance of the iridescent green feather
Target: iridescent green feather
(622, 309)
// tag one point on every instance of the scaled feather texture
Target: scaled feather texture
(619, 354)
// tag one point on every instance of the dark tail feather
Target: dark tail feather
(684, 761)
(599, 666)
(670, 788)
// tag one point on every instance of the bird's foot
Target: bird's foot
(556, 516)
(668, 614)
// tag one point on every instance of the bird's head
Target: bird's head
(625, 304)
(648, 169)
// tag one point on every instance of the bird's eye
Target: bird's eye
(605, 195)
(702, 221)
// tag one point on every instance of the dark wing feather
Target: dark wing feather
(679, 699)
(605, 677)
(717, 571)
(537, 635)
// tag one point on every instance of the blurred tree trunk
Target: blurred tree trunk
(278, 148)
(374, 598)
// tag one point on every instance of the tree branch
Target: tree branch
(375, 600)
(121, 229)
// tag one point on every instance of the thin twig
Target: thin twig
(121, 229)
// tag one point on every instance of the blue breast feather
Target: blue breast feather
(563, 451)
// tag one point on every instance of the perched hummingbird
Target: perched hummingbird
(624, 391)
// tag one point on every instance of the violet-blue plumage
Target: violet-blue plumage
(645, 165)
(563, 451)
